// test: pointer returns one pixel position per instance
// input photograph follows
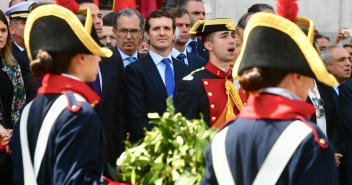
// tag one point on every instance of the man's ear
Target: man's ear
(11, 29)
(208, 45)
(79, 58)
(327, 66)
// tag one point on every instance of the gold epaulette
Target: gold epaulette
(190, 76)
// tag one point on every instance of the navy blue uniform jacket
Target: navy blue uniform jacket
(76, 144)
(251, 136)
(146, 93)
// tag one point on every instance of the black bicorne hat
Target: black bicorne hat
(56, 29)
(271, 41)
(203, 27)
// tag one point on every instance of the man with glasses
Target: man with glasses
(128, 29)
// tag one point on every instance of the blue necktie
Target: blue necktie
(181, 57)
(169, 77)
(131, 59)
(194, 47)
(96, 85)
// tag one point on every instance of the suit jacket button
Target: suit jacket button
(210, 94)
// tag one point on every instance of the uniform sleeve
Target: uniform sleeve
(136, 108)
(186, 100)
(79, 148)
(209, 175)
(312, 164)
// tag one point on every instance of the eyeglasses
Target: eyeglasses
(133, 32)
(318, 104)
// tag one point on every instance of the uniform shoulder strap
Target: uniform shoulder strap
(31, 171)
(281, 153)
(274, 163)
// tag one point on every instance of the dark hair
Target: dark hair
(242, 23)
(109, 19)
(259, 7)
(257, 78)
(157, 14)
(128, 12)
(319, 36)
(208, 37)
(50, 63)
(347, 46)
(179, 12)
(6, 51)
(84, 1)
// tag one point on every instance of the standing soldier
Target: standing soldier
(211, 90)
(272, 141)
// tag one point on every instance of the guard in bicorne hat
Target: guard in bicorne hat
(210, 90)
(271, 141)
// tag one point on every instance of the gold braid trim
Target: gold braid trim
(232, 93)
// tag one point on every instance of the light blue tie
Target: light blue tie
(169, 77)
(131, 59)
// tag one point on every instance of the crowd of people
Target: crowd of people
(75, 85)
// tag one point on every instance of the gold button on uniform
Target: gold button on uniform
(322, 141)
(205, 82)
(244, 104)
(213, 118)
(212, 106)
(210, 94)
(74, 107)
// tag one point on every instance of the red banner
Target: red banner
(122, 4)
(147, 6)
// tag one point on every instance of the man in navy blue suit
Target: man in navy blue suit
(152, 79)
(183, 23)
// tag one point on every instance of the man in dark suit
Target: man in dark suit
(110, 86)
(345, 105)
(194, 44)
(152, 79)
(18, 15)
(183, 23)
(128, 29)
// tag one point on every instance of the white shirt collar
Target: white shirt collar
(124, 55)
(71, 76)
(19, 47)
(280, 91)
(175, 52)
(157, 58)
(336, 88)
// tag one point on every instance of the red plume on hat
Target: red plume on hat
(287, 9)
(69, 4)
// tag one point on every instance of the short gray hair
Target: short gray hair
(326, 55)
(128, 12)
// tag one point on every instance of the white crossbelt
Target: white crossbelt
(274, 163)
(31, 172)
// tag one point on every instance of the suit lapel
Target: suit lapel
(155, 78)
(178, 68)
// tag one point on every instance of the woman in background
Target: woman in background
(12, 98)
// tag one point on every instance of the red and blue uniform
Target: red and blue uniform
(251, 136)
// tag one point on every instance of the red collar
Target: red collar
(54, 83)
(217, 71)
(269, 106)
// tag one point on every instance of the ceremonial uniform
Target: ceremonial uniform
(204, 92)
(266, 122)
(272, 141)
(76, 145)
